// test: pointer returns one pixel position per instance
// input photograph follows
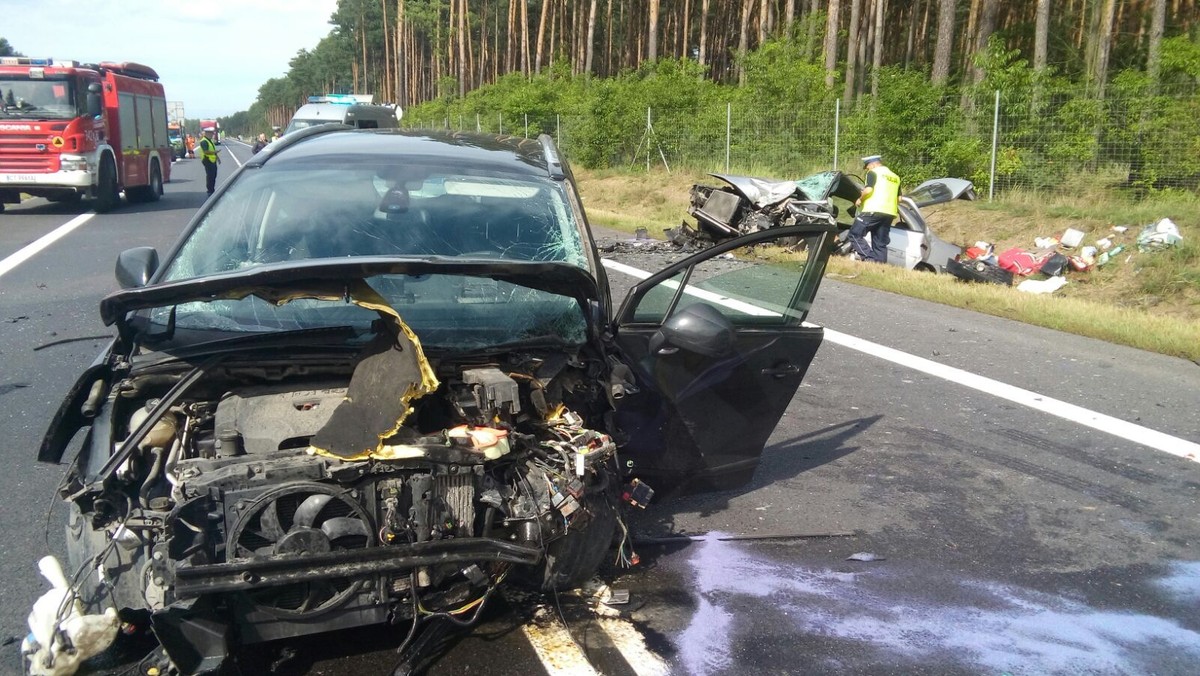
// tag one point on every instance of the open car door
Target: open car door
(718, 346)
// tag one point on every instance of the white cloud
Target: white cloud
(212, 55)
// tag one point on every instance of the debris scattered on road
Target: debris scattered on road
(866, 557)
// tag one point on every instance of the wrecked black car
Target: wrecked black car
(380, 376)
(747, 204)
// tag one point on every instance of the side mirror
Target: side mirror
(698, 328)
(94, 107)
(136, 266)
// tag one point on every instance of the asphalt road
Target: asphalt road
(1006, 539)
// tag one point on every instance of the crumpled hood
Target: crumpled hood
(323, 277)
(760, 191)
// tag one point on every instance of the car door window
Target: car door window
(757, 284)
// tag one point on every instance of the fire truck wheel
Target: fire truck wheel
(107, 195)
(150, 192)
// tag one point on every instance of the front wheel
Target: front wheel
(108, 196)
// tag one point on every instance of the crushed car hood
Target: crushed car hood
(760, 191)
(278, 283)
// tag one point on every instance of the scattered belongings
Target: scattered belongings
(1042, 285)
(1157, 236)
(979, 263)
(1072, 238)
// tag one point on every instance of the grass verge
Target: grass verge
(1148, 301)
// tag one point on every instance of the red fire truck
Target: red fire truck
(70, 129)
(205, 124)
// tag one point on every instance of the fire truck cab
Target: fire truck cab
(70, 130)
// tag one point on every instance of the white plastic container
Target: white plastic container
(1072, 238)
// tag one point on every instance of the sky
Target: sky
(212, 55)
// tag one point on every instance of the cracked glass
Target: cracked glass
(275, 215)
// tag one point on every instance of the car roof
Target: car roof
(508, 154)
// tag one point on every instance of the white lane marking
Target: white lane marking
(1077, 414)
(234, 156)
(554, 646)
(15, 259)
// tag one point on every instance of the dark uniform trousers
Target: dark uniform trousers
(880, 228)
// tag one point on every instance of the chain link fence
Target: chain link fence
(1045, 141)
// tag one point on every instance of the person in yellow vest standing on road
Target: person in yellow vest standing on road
(209, 155)
(878, 206)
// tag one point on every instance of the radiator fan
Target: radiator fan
(296, 520)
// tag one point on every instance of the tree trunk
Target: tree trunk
(877, 59)
(591, 37)
(1103, 47)
(945, 42)
(524, 37)
(685, 48)
(1041, 36)
(852, 50)
(541, 36)
(652, 33)
(810, 38)
(1154, 53)
(704, 32)
(744, 39)
(968, 40)
(763, 24)
(608, 35)
(789, 17)
(987, 26)
(831, 43)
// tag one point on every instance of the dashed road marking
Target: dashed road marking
(1123, 429)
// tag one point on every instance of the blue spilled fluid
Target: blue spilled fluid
(971, 625)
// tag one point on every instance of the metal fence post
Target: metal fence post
(557, 129)
(526, 125)
(500, 116)
(728, 132)
(647, 139)
(837, 129)
(995, 139)
(477, 127)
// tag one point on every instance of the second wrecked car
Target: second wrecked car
(380, 375)
(748, 204)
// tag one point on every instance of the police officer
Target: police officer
(210, 157)
(878, 206)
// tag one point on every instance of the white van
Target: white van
(356, 110)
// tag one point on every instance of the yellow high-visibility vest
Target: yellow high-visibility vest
(208, 150)
(885, 194)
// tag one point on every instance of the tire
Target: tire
(574, 558)
(150, 192)
(108, 196)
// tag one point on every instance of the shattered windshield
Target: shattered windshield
(817, 186)
(37, 99)
(368, 207)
